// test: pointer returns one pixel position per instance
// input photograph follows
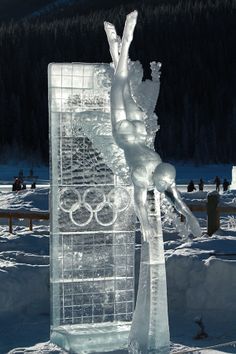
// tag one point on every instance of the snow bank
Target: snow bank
(25, 200)
(44, 348)
(24, 280)
(201, 277)
(201, 285)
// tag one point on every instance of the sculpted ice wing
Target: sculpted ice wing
(97, 127)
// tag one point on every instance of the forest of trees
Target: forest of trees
(194, 40)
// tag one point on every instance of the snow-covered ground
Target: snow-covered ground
(201, 277)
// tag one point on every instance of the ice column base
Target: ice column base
(150, 327)
(233, 183)
(99, 337)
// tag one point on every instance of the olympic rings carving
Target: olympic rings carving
(116, 194)
(62, 198)
(99, 208)
(76, 207)
(94, 190)
(94, 200)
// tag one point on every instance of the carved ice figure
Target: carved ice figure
(149, 331)
(93, 160)
(130, 134)
(233, 183)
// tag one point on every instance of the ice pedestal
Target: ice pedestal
(93, 226)
(150, 325)
(92, 338)
(92, 217)
(233, 183)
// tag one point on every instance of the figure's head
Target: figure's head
(164, 176)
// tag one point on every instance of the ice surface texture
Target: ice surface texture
(93, 221)
(233, 183)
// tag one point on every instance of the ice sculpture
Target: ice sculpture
(150, 330)
(102, 159)
(233, 183)
(92, 216)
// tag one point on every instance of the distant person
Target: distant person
(16, 185)
(23, 185)
(225, 185)
(33, 185)
(191, 186)
(201, 184)
(21, 174)
(217, 183)
(201, 333)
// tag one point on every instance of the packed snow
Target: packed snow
(201, 277)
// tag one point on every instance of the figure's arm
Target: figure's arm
(174, 198)
(141, 210)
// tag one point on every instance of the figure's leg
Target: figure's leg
(118, 109)
(117, 100)
(114, 42)
(121, 84)
(130, 23)
(133, 112)
(122, 104)
(139, 178)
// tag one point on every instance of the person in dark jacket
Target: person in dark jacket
(225, 185)
(16, 185)
(191, 186)
(217, 183)
(201, 184)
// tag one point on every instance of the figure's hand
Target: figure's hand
(193, 226)
(148, 233)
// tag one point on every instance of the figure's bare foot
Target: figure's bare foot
(130, 23)
(113, 40)
(110, 32)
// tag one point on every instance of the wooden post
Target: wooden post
(10, 224)
(30, 224)
(213, 217)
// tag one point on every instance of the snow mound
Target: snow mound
(24, 274)
(25, 200)
(201, 278)
(40, 348)
(49, 348)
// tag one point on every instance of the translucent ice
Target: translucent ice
(103, 163)
(93, 224)
(233, 183)
(150, 330)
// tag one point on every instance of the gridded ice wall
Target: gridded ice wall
(92, 218)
